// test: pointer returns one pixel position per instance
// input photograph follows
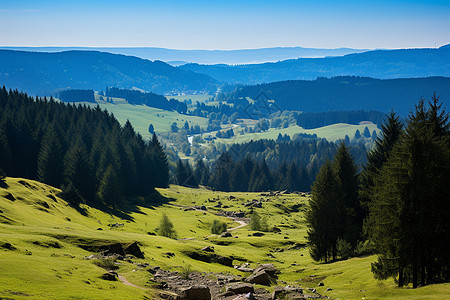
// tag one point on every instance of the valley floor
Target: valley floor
(45, 246)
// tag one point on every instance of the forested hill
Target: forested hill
(350, 93)
(81, 150)
(383, 64)
(46, 73)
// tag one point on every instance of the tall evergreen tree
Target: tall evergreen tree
(321, 217)
(201, 172)
(349, 209)
(161, 163)
(409, 209)
(50, 164)
(109, 191)
(390, 134)
(78, 173)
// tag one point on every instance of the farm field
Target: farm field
(44, 243)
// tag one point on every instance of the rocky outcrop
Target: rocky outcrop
(111, 276)
(195, 293)
(260, 277)
(239, 288)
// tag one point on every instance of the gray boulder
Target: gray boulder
(239, 288)
(195, 293)
(259, 277)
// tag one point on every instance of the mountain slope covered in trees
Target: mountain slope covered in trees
(47, 73)
(383, 64)
(347, 93)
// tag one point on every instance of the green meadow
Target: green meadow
(331, 132)
(141, 116)
(43, 242)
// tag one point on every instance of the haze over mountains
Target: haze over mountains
(383, 64)
(178, 57)
(46, 73)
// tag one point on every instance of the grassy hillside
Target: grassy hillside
(141, 116)
(331, 132)
(41, 240)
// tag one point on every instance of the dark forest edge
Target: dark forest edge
(397, 207)
(83, 151)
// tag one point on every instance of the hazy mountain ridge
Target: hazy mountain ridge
(239, 56)
(383, 64)
(46, 73)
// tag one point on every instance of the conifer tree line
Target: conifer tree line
(263, 165)
(84, 151)
(399, 204)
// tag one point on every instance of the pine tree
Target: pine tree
(78, 172)
(5, 151)
(391, 132)
(201, 172)
(366, 132)
(321, 216)
(50, 165)
(166, 227)
(109, 191)
(255, 221)
(151, 129)
(161, 163)
(349, 209)
(409, 211)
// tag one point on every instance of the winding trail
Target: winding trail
(241, 224)
(126, 282)
(237, 221)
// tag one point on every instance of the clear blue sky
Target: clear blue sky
(226, 24)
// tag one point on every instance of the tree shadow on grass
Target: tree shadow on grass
(126, 208)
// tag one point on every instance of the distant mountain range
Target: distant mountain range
(47, 73)
(350, 93)
(383, 64)
(177, 57)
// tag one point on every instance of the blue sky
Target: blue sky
(227, 24)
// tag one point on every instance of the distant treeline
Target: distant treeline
(77, 96)
(82, 150)
(265, 165)
(347, 93)
(315, 120)
(149, 99)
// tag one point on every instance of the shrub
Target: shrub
(185, 271)
(217, 227)
(364, 248)
(255, 221)
(264, 225)
(106, 263)
(344, 249)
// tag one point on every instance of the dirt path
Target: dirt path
(238, 221)
(126, 282)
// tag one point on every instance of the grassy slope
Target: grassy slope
(330, 132)
(193, 98)
(61, 273)
(141, 116)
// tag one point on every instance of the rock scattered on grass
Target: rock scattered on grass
(111, 276)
